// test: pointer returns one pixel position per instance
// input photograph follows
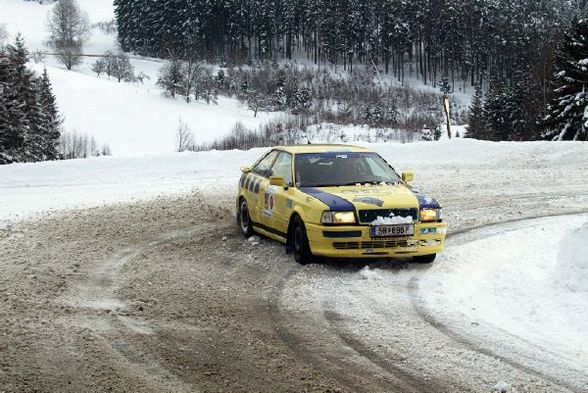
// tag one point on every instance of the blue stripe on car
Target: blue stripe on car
(334, 202)
(425, 202)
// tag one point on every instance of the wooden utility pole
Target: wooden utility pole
(447, 114)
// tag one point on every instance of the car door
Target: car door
(277, 199)
(256, 185)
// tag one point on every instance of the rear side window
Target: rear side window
(283, 167)
(263, 167)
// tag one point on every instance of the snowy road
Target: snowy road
(165, 295)
(391, 328)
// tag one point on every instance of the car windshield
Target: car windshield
(342, 168)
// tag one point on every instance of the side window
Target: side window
(283, 167)
(263, 167)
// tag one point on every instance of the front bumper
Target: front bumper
(355, 241)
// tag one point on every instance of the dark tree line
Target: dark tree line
(29, 120)
(426, 39)
(507, 47)
(567, 114)
(524, 109)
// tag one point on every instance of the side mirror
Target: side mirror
(407, 177)
(277, 181)
(245, 169)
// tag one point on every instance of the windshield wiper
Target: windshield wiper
(373, 182)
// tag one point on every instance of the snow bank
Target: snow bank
(573, 260)
(503, 282)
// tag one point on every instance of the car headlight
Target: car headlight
(338, 218)
(430, 214)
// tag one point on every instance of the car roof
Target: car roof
(323, 148)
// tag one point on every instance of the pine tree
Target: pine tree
(51, 121)
(496, 115)
(477, 125)
(565, 118)
(11, 114)
(23, 83)
(29, 121)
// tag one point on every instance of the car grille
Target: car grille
(370, 245)
(368, 216)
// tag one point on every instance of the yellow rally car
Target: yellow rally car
(338, 201)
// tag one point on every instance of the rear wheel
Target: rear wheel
(245, 220)
(424, 258)
(302, 253)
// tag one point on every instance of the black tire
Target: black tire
(245, 220)
(302, 253)
(424, 258)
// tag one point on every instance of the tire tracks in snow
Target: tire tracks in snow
(402, 380)
(97, 306)
(419, 306)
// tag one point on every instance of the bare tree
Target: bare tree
(68, 29)
(99, 66)
(74, 145)
(191, 70)
(184, 137)
(38, 56)
(141, 77)
(122, 69)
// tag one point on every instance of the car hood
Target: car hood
(349, 198)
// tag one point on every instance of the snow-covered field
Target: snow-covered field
(134, 119)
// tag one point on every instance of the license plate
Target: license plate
(392, 230)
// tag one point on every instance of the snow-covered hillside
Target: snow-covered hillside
(131, 118)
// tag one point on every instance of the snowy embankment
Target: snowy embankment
(526, 281)
(572, 267)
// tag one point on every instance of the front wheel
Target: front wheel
(302, 253)
(424, 258)
(245, 220)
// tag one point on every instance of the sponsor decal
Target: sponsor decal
(369, 201)
(289, 203)
(269, 202)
